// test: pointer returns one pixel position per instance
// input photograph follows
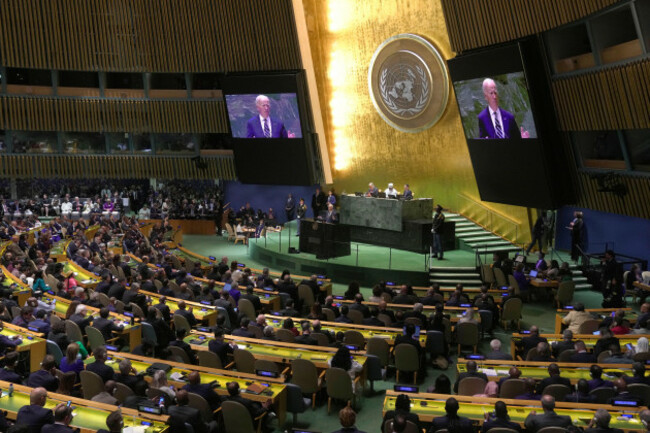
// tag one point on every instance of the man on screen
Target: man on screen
(262, 125)
(495, 122)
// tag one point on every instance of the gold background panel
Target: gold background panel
(344, 34)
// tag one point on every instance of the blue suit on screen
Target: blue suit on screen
(486, 128)
(254, 128)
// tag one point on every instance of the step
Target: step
(470, 229)
(452, 268)
(483, 237)
(489, 243)
(460, 224)
(456, 281)
(584, 286)
(504, 248)
(452, 275)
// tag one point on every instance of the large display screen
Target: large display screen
(264, 115)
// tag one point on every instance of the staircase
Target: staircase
(450, 276)
(473, 237)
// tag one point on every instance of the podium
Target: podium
(324, 239)
(383, 213)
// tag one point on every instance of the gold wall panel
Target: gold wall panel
(344, 35)
(104, 115)
(115, 167)
(479, 23)
(149, 35)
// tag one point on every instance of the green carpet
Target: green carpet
(370, 413)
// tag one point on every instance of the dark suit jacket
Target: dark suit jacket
(179, 415)
(186, 347)
(499, 355)
(164, 309)
(254, 408)
(585, 358)
(536, 422)
(306, 339)
(499, 423)
(205, 391)
(189, 316)
(561, 346)
(10, 376)
(603, 430)
(343, 319)
(255, 300)
(222, 349)
(552, 380)
(254, 128)
(373, 321)
(103, 370)
(35, 417)
(530, 342)
(442, 422)
(362, 308)
(105, 326)
(56, 428)
(509, 125)
(44, 379)
(408, 340)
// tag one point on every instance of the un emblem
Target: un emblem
(408, 81)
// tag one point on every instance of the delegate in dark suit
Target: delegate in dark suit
(499, 423)
(536, 422)
(441, 422)
(179, 415)
(34, 417)
(56, 428)
(42, 378)
(509, 125)
(254, 128)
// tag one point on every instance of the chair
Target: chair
(641, 357)
(640, 390)
(246, 308)
(500, 277)
(148, 333)
(119, 306)
(136, 310)
(209, 359)
(511, 312)
(231, 232)
(256, 330)
(103, 299)
(410, 427)
(602, 356)
(512, 388)
(176, 263)
(487, 275)
(356, 316)
(320, 338)
(339, 386)
(329, 315)
(54, 350)
(589, 326)
(354, 338)
(564, 293)
(406, 359)
(471, 386)
(501, 430)
(66, 381)
(73, 331)
(435, 344)
(15, 312)
(55, 319)
(155, 393)
(386, 297)
(306, 295)
(603, 394)
(512, 282)
(552, 430)
(413, 320)
(179, 353)
(385, 318)
(91, 384)
(285, 335)
(237, 419)
(467, 334)
(305, 375)
(221, 312)
(566, 355)
(374, 370)
(95, 338)
(198, 402)
(244, 361)
(296, 403)
(558, 391)
(380, 348)
(181, 322)
(122, 392)
(486, 321)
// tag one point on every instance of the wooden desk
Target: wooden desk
(455, 313)
(132, 332)
(589, 339)
(85, 279)
(32, 342)
(203, 313)
(429, 406)
(542, 283)
(386, 333)
(598, 313)
(90, 416)
(642, 286)
(22, 291)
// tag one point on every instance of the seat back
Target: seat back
(552, 430)
(148, 333)
(467, 334)
(246, 308)
(486, 320)
(122, 392)
(487, 274)
(221, 312)
(410, 427)
(406, 358)
(320, 338)
(355, 338)
(329, 315)
(181, 322)
(305, 375)
(471, 386)
(413, 321)
(103, 299)
(380, 348)
(179, 353)
(285, 335)
(589, 326)
(641, 357)
(566, 355)
(512, 309)
(356, 316)
(91, 384)
(256, 331)
(265, 365)
(603, 355)
(236, 418)
(198, 402)
(512, 388)
(385, 318)
(136, 310)
(209, 359)
(500, 277)
(306, 295)
(512, 282)
(557, 390)
(565, 292)
(295, 400)
(603, 394)
(95, 338)
(244, 361)
(155, 393)
(640, 390)
(73, 331)
(339, 384)
(501, 430)
(54, 350)
(119, 306)
(66, 381)
(435, 344)
(55, 319)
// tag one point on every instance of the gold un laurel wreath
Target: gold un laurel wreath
(408, 81)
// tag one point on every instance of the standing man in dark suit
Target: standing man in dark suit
(62, 419)
(262, 125)
(301, 213)
(290, 207)
(538, 232)
(407, 194)
(318, 202)
(549, 418)
(46, 376)
(437, 231)
(495, 122)
(35, 416)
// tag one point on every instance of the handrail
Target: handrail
(488, 218)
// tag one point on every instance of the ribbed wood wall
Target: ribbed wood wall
(104, 115)
(149, 35)
(115, 167)
(479, 23)
(613, 98)
(636, 203)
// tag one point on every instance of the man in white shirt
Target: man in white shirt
(391, 191)
(66, 207)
